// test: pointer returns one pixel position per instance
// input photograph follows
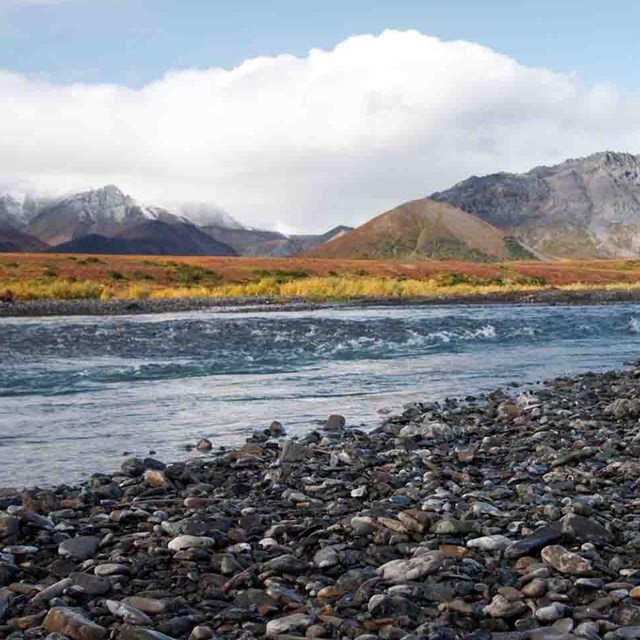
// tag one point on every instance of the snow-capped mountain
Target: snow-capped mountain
(106, 211)
(106, 220)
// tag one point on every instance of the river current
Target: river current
(79, 393)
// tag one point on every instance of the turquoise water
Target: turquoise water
(77, 393)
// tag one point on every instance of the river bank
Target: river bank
(115, 307)
(503, 516)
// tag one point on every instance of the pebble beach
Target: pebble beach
(512, 515)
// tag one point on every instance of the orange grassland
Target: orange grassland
(30, 276)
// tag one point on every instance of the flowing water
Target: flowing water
(77, 393)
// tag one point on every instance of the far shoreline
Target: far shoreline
(122, 307)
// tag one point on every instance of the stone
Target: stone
(578, 527)
(565, 561)
(202, 632)
(335, 422)
(133, 467)
(501, 607)
(191, 542)
(293, 624)
(533, 543)
(551, 613)
(286, 563)
(400, 571)
(293, 451)
(204, 445)
(155, 478)
(626, 633)
(326, 558)
(276, 430)
(490, 543)
(111, 569)
(452, 527)
(9, 527)
(93, 585)
(535, 589)
(73, 624)
(151, 606)
(54, 590)
(80, 548)
(128, 632)
(468, 455)
(129, 614)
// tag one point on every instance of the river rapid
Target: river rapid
(79, 393)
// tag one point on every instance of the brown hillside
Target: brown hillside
(423, 228)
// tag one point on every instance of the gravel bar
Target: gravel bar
(41, 308)
(510, 516)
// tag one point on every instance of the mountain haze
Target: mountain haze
(257, 242)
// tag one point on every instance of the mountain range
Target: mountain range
(582, 208)
(108, 221)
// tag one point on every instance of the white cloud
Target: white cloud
(334, 137)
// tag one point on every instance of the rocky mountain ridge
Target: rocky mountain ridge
(582, 208)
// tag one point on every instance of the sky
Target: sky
(298, 115)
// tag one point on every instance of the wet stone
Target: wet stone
(335, 422)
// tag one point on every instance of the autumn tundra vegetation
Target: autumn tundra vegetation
(47, 276)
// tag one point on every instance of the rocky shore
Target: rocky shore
(39, 308)
(501, 517)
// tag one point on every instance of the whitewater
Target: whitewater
(79, 393)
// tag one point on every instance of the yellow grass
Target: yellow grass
(316, 289)
(37, 276)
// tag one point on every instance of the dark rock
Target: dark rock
(533, 543)
(80, 548)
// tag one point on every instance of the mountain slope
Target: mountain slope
(149, 237)
(423, 228)
(15, 241)
(583, 208)
(11, 213)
